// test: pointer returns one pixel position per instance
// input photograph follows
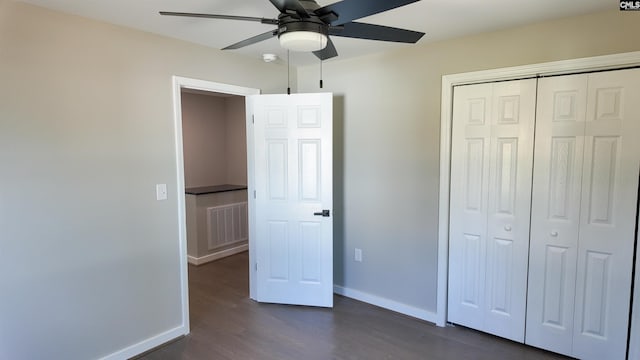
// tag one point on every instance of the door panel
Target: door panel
(583, 213)
(277, 261)
(604, 164)
(608, 215)
(474, 166)
(555, 211)
(311, 242)
(553, 293)
(491, 176)
(469, 199)
(293, 181)
(509, 207)
(277, 169)
(471, 271)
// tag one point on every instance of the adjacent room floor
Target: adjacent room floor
(226, 324)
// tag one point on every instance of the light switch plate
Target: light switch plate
(161, 191)
(357, 255)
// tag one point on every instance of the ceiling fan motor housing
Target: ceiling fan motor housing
(306, 30)
(290, 24)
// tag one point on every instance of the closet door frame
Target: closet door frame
(606, 62)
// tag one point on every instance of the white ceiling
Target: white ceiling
(439, 19)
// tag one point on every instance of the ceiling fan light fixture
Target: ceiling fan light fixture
(303, 40)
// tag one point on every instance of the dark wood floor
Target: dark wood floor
(225, 324)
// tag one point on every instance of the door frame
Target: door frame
(180, 83)
(606, 62)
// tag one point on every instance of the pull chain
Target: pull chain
(320, 38)
(321, 74)
(288, 74)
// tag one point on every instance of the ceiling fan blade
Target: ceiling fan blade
(349, 10)
(293, 5)
(328, 52)
(252, 40)
(226, 17)
(376, 32)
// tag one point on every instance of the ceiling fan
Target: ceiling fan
(305, 26)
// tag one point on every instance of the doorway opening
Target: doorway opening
(211, 157)
(215, 174)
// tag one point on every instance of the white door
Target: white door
(491, 169)
(293, 199)
(584, 214)
(555, 211)
(607, 215)
(468, 203)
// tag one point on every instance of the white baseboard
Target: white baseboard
(217, 255)
(386, 303)
(148, 344)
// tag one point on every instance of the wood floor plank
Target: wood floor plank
(226, 324)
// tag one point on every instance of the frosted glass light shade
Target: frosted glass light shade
(303, 41)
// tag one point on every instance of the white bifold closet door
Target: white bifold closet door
(587, 159)
(491, 170)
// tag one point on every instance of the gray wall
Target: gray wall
(214, 139)
(236, 139)
(203, 132)
(387, 142)
(88, 258)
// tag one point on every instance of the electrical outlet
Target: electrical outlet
(357, 255)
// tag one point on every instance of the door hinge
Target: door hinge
(254, 194)
(253, 119)
(256, 267)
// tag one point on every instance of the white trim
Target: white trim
(251, 188)
(147, 344)
(182, 219)
(605, 62)
(448, 82)
(217, 255)
(443, 208)
(634, 335)
(210, 86)
(386, 303)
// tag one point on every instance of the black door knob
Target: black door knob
(324, 213)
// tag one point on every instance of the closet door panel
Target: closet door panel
(469, 186)
(555, 211)
(509, 207)
(608, 215)
(492, 141)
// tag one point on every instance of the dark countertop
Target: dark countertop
(201, 190)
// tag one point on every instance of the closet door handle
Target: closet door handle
(554, 233)
(507, 227)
